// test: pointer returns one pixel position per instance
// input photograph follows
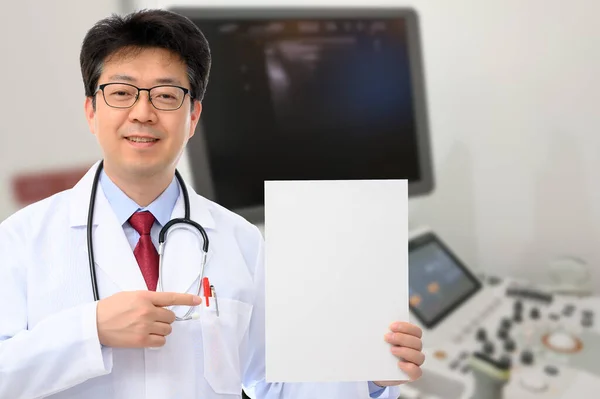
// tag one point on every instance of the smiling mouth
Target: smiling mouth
(141, 139)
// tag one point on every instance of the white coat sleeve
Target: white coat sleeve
(61, 351)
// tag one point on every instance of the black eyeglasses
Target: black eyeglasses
(124, 95)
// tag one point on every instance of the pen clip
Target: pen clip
(213, 293)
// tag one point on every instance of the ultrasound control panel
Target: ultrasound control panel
(547, 343)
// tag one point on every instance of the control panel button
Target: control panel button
(568, 310)
(494, 280)
(551, 370)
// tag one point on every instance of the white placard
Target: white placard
(336, 258)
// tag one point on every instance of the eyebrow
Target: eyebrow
(126, 78)
(163, 81)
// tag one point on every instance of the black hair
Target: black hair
(141, 30)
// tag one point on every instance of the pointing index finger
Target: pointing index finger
(174, 299)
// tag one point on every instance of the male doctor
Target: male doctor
(145, 76)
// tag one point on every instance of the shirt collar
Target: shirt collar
(124, 207)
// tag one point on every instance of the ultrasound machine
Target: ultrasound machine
(337, 93)
(501, 334)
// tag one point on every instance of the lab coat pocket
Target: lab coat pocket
(221, 337)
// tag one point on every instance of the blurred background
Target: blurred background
(491, 107)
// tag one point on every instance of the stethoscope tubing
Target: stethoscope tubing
(161, 237)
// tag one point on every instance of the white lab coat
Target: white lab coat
(48, 334)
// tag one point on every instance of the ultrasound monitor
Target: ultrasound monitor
(438, 281)
(309, 94)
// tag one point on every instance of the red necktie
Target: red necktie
(145, 252)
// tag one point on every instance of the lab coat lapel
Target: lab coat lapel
(112, 252)
(182, 257)
(113, 255)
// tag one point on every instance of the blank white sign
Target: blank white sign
(336, 258)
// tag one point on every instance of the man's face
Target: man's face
(142, 140)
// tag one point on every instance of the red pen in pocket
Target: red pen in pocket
(206, 289)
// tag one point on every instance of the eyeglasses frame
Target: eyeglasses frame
(137, 97)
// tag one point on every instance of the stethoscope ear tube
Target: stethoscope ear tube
(90, 223)
(163, 232)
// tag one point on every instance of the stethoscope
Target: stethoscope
(161, 240)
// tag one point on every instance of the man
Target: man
(145, 76)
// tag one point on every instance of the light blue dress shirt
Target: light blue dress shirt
(161, 208)
(124, 207)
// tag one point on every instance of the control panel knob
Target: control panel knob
(481, 335)
(563, 341)
(488, 348)
(518, 306)
(518, 317)
(509, 345)
(535, 313)
(527, 357)
(506, 362)
(503, 333)
(506, 323)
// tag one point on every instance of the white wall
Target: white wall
(514, 94)
(513, 97)
(42, 123)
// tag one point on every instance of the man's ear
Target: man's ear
(90, 113)
(195, 117)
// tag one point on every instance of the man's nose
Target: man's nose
(143, 111)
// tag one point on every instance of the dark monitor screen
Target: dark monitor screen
(309, 95)
(438, 281)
